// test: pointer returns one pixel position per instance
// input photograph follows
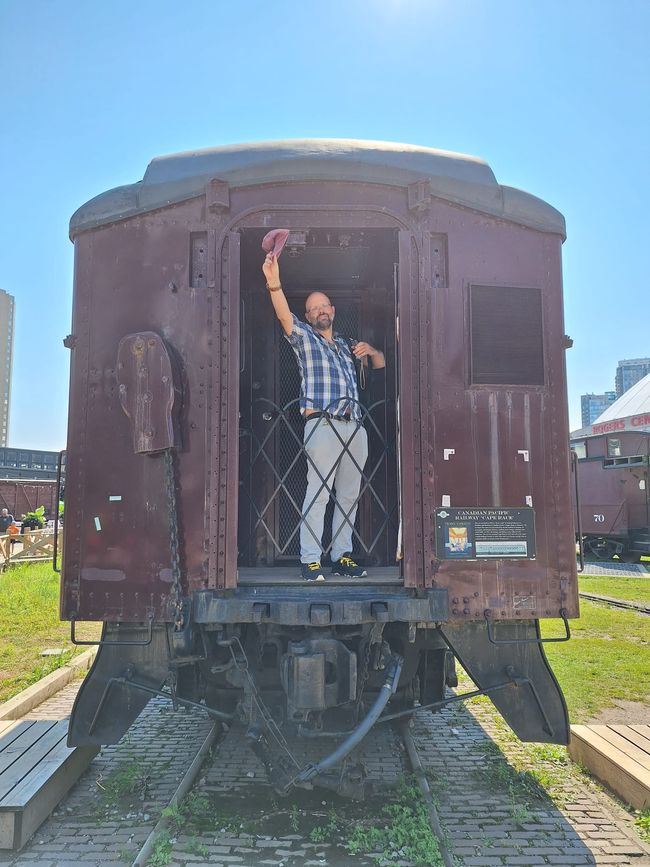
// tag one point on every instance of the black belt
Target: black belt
(322, 414)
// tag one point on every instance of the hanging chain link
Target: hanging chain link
(364, 674)
(265, 713)
(170, 488)
(374, 638)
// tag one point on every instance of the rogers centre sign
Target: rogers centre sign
(632, 422)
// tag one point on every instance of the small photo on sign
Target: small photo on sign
(458, 542)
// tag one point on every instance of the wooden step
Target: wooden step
(36, 771)
(618, 756)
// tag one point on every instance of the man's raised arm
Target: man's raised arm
(271, 269)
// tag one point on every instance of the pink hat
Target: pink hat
(274, 241)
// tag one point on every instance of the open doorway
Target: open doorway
(356, 269)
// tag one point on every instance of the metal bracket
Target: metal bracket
(524, 453)
(447, 452)
(217, 196)
(493, 640)
(419, 195)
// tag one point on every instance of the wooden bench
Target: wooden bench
(618, 756)
(36, 771)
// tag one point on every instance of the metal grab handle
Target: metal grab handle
(493, 640)
(55, 550)
(100, 643)
(242, 330)
(581, 547)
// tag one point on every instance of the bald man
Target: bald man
(335, 441)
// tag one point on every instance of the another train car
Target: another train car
(185, 464)
(613, 496)
(20, 496)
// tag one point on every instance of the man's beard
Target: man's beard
(323, 323)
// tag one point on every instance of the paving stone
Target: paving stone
(485, 823)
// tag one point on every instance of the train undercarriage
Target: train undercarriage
(629, 547)
(326, 680)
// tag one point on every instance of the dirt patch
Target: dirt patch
(623, 713)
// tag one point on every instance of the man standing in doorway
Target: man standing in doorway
(336, 444)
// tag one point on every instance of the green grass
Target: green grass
(607, 659)
(628, 589)
(161, 854)
(643, 824)
(403, 832)
(29, 623)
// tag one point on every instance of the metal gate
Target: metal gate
(273, 485)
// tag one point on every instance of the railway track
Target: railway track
(615, 603)
(410, 749)
(480, 804)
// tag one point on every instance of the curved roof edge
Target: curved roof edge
(457, 178)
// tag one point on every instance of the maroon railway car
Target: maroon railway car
(24, 495)
(185, 467)
(613, 495)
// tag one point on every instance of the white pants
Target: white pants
(324, 440)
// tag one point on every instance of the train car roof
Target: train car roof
(457, 178)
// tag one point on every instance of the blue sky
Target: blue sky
(555, 96)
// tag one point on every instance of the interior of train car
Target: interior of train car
(358, 271)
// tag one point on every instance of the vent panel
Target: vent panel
(506, 336)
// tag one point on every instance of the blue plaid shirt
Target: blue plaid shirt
(327, 371)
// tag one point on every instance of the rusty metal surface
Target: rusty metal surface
(509, 442)
(611, 501)
(116, 562)
(146, 390)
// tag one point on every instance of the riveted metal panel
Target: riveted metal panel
(410, 433)
(133, 277)
(498, 444)
(223, 449)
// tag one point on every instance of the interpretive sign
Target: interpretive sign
(477, 534)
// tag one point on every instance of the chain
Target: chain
(364, 673)
(374, 637)
(265, 713)
(170, 488)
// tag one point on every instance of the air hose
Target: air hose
(393, 671)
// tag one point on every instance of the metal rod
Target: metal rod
(101, 643)
(56, 511)
(133, 684)
(452, 700)
(565, 637)
(581, 547)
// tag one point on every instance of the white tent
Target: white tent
(635, 401)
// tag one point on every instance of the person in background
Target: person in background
(6, 520)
